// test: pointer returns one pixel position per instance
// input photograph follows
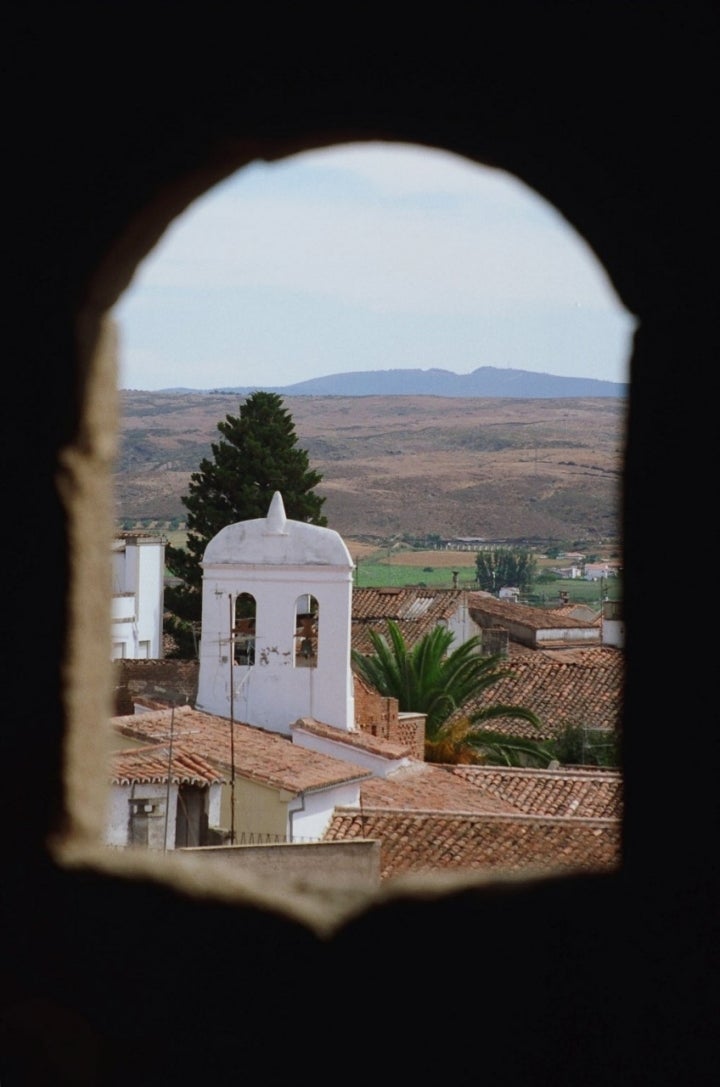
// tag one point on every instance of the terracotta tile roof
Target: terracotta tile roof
(532, 618)
(422, 786)
(501, 819)
(581, 687)
(260, 756)
(410, 602)
(415, 610)
(591, 794)
(583, 612)
(145, 765)
(567, 792)
(362, 741)
(413, 841)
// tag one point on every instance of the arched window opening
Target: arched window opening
(432, 261)
(243, 632)
(306, 631)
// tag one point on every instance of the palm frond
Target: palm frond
(431, 678)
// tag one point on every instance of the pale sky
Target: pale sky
(368, 257)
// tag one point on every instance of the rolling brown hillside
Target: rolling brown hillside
(493, 468)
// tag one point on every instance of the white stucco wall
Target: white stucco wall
(570, 635)
(138, 573)
(309, 815)
(214, 805)
(462, 626)
(151, 581)
(613, 632)
(379, 765)
(117, 822)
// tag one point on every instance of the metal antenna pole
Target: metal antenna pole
(169, 776)
(232, 724)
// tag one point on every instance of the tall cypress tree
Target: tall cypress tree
(256, 456)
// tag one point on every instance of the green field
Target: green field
(374, 573)
(378, 574)
(383, 568)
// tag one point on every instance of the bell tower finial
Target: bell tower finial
(276, 520)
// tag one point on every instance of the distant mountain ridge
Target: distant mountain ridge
(486, 381)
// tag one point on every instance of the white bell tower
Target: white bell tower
(276, 619)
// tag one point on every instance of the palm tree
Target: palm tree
(431, 680)
(499, 749)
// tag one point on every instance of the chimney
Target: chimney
(495, 640)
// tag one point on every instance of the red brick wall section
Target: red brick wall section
(378, 716)
(410, 730)
(172, 681)
(374, 713)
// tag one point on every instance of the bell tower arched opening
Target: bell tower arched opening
(307, 631)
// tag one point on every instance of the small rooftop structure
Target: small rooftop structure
(415, 609)
(533, 627)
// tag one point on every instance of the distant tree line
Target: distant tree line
(497, 567)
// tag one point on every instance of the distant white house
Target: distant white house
(596, 571)
(138, 571)
(571, 572)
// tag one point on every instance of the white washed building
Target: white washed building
(138, 572)
(162, 797)
(276, 623)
